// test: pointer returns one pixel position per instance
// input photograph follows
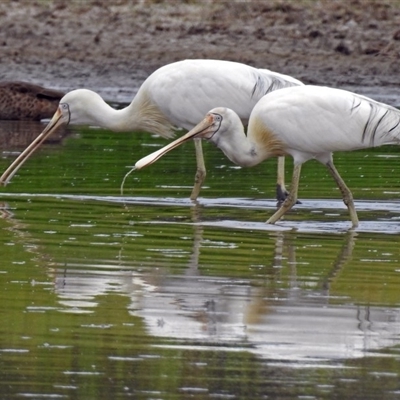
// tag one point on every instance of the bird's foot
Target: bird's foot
(281, 195)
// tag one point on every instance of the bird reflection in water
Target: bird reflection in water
(293, 322)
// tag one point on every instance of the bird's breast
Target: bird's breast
(267, 143)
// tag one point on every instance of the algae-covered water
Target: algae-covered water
(151, 296)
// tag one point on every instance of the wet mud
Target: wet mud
(114, 46)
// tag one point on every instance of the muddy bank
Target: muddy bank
(115, 45)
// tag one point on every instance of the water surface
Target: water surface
(151, 296)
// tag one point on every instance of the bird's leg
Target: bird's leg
(290, 200)
(281, 192)
(201, 170)
(346, 193)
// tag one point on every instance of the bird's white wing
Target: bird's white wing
(187, 90)
(318, 120)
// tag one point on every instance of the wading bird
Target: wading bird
(26, 101)
(176, 95)
(305, 122)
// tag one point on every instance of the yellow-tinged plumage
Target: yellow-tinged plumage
(266, 140)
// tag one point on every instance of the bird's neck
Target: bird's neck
(140, 115)
(250, 150)
(239, 149)
(144, 115)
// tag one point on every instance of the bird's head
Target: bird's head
(72, 109)
(216, 122)
(77, 106)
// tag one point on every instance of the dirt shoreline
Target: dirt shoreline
(114, 46)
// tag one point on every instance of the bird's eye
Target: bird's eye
(64, 106)
(218, 118)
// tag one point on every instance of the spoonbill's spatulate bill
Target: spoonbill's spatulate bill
(176, 95)
(305, 122)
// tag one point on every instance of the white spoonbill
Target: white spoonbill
(305, 122)
(176, 95)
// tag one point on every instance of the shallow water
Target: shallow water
(151, 296)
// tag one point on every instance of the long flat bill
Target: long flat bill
(198, 131)
(55, 122)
